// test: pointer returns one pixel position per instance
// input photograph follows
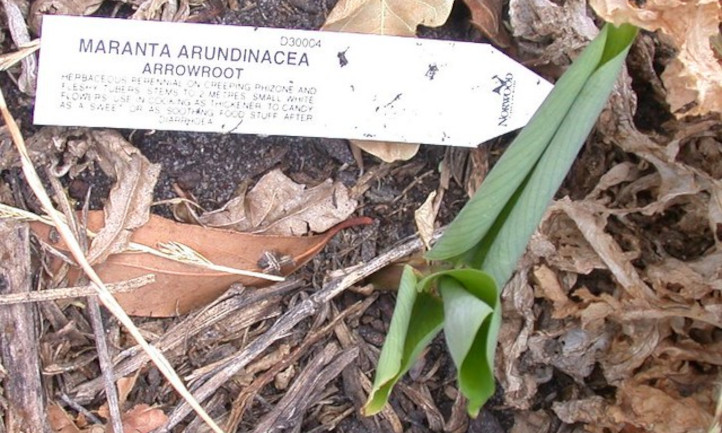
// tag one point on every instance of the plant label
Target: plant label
(102, 72)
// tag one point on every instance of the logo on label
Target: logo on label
(505, 89)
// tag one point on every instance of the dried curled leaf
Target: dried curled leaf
(387, 17)
(59, 7)
(128, 205)
(486, 16)
(387, 151)
(19, 31)
(141, 419)
(693, 77)
(279, 206)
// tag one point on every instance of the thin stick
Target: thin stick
(75, 292)
(105, 297)
(106, 365)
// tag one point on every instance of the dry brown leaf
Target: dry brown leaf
(653, 410)
(19, 31)
(141, 419)
(181, 287)
(592, 224)
(591, 410)
(425, 216)
(387, 151)
(550, 288)
(161, 10)
(387, 17)
(59, 7)
(531, 422)
(540, 21)
(693, 78)
(60, 421)
(486, 16)
(517, 300)
(279, 206)
(73, 150)
(128, 205)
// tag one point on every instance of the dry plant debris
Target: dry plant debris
(692, 78)
(276, 205)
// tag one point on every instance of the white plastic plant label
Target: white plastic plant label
(102, 72)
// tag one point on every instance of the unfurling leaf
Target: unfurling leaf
(472, 317)
(417, 318)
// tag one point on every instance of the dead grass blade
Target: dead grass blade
(8, 60)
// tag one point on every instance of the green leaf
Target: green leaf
(417, 319)
(472, 317)
(476, 218)
(493, 229)
(510, 242)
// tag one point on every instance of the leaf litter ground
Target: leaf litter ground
(612, 321)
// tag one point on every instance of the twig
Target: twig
(80, 409)
(19, 348)
(288, 321)
(241, 402)
(75, 292)
(106, 365)
(191, 326)
(105, 297)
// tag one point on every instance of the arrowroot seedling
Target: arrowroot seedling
(487, 238)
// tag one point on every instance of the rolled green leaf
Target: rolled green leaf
(417, 319)
(484, 208)
(511, 240)
(491, 232)
(472, 317)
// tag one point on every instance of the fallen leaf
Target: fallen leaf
(278, 206)
(539, 21)
(387, 151)
(550, 288)
(181, 287)
(486, 16)
(141, 419)
(387, 17)
(531, 422)
(19, 32)
(59, 7)
(517, 301)
(425, 216)
(128, 204)
(653, 410)
(60, 421)
(693, 77)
